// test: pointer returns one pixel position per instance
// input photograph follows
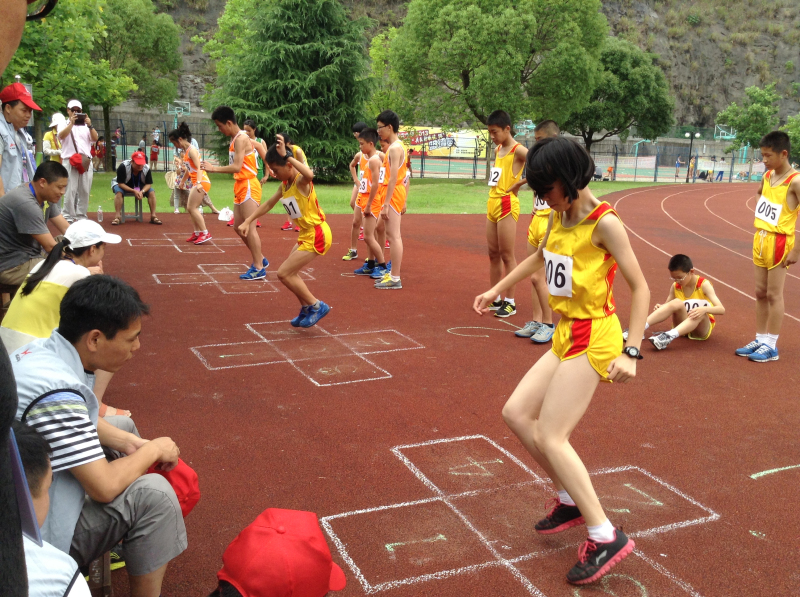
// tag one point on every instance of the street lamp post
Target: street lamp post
(689, 161)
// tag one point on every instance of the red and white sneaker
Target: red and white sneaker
(287, 225)
(596, 559)
(204, 237)
(192, 238)
(258, 223)
(361, 235)
(297, 228)
(231, 222)
(387, 244)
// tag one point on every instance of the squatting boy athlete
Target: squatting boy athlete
(374, 226)
(584, 244)
(392, 191)
(357, 165)
(502, 210)
(246, 186)
(774, 247)
(299, 199)
(540, 329)
(691, 303)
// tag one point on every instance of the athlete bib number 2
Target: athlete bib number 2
(768, 211)
(558, 271)
(291, 207)
(494, 176)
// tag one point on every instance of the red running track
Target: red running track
(279, 418)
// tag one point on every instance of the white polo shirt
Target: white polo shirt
(83, 138)
(52, 573)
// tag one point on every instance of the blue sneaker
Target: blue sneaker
(364, 270)
(265, 262)
(389, 265)
(303, 313)
(254, 274)
(746, 351)
(764, 354)
(379, 272)
(315, 315)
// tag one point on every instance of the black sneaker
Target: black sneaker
(117, 557)
(495, 305)
(506, 310)
(597, 559)
(560, 518)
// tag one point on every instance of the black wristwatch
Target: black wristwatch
(632, 352)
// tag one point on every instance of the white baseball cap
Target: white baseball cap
(74, 104)
(57, 120)
(85, 233)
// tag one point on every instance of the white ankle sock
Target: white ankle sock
(761, 338)
(771, 340)
(673, 333)
(602, 533)
(564, 498)
(510, 301)
(646, 325)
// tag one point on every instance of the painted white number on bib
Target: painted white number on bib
(382, 175)
(694, 304)
(558, 270)
(768, 211)
(407, 178)
(494, 176)
(291, 207)
(539, 203)
(362, 186)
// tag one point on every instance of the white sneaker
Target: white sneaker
(661, 341)
(529, 329)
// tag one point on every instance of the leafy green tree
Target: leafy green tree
(458, 60)
(792, 127)
(757, 116)
(386, 90)
(632, 91)
(299, 66)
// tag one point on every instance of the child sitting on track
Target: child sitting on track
(299, 199)
(691, 303)
(584, 243)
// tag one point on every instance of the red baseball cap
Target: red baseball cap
(138, 157)
(17, 91)
(281, 554)
(185, 483)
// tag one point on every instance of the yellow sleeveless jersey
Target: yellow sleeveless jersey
(299, 154)
(501, 176)
(249, 166)
(772, 212)
(698, 298)
(579, 275)
(304, 210)
(364, 178)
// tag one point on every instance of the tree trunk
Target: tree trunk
(588, 140)
(38, 133)
(108, 133)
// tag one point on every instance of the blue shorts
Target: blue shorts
(116, 190)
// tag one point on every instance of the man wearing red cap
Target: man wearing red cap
(77, 136)
(16, 163)
(134, 179)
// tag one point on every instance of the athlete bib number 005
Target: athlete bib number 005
(694, 304)
(768, 211)
(558, 271)
(539, 203)
(382, 175)
(362, 185)
(291, 207)
(494, 176)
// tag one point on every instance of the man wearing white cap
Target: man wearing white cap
(51, 144)
(77, 136)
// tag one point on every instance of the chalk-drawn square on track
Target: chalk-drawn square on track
(239, 354)
(378, 342)
(314, 347)
(340, 370)
(272, 331)
(188, 278)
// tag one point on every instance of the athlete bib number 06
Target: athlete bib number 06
(382, 175)
(494, 176)
(362, 185)
(558, 271)
(291, 207)
(539, 203)
(694, 304)
(768, 211)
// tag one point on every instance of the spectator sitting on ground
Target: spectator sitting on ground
(51, 144)
(50, 571)
(24, 213)
(101, 318)
(16, 164)
(134, 179)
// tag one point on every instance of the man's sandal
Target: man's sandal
(116, 222)
(110, 411)
(156, 221)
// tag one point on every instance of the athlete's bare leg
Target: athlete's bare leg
(358, 221)
(769, 299)
(681, 321)
(500, 240)
(193, 204)
(252, 241)
(289, 275)
(370, 233)
(396, 242)
(539, 294)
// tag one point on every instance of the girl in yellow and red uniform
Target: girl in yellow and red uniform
(199, 183)
(774, 248)
(301, 156)
(299, 199)
(584, 245)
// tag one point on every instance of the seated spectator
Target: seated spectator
(24, 213)
(50, 571)
(99, 329)
(134, 179)
(598, 173)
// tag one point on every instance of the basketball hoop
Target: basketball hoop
(179, 109)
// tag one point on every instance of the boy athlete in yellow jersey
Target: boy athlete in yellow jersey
(391, 198)
(584, 245)
(246, 186)
(691, 303)
(357, 165)
(502, 210)
(374, 227)
(299, 199)
(540, 330)
(774, 247)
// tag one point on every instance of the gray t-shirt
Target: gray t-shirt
(20, 217)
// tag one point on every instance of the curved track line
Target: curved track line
(723, 219)
(747, 204)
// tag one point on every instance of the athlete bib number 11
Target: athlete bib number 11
(558, 271)
(291, 207)
(494, 176)
(768, 211)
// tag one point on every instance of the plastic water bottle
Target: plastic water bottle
(99, 214)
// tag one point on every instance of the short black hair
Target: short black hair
(223, 114)
(251, 123)
(388, 117)
(11, 103)
(287, 138)
(359, 126)
(102, 303)
(51, 171)
(369, 135)
(225, 589)
(559, 158)
(777, 141)
(273, 158)
(182, 132)
(34, 451)
(549, 127)
(680, 263)
(499, 118)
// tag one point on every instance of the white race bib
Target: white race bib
(494, 176)
(362, 185)
(382, 175)
(291, 207)
(694, 304)
(539, 203)
(558, 271)
(768, 211)
(407, 178)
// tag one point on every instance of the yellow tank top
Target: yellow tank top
(299, 154)
(540, 206)
(304, 210)
(364, 177)
(772, 212)
(402, 172)
(502, 177)
(698, 298)
(195, 173)
(580, 275)
(249, 166)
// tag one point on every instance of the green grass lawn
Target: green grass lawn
(427, 195)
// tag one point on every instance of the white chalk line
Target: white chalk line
(750, 232)
(659, 568)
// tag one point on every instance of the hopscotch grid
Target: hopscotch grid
(659, 568)
(266, 285)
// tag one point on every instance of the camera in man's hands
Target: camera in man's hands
(80, 119)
